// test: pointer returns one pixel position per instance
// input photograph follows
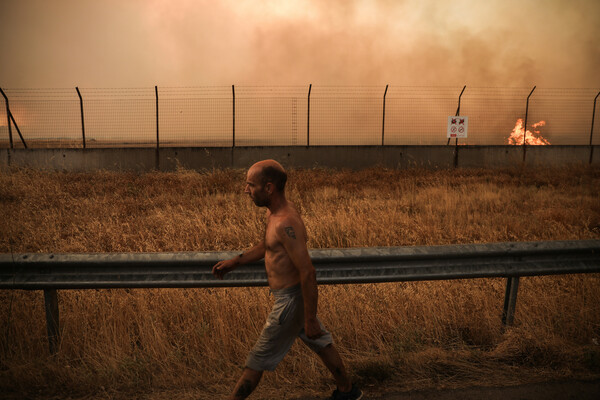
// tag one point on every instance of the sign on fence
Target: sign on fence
(457, 127)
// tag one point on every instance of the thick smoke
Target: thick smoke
(187, 43)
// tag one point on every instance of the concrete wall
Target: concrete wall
(354, 157)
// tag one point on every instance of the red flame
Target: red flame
(533, 138)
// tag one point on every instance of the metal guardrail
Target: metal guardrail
(50, 272)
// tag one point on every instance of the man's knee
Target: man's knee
(252, 374)
(326, 348)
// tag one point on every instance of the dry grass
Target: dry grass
(406, 335)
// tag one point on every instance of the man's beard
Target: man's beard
(261, 201)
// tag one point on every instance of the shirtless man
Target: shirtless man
(293, 283)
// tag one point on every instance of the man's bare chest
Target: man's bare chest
(272, 242)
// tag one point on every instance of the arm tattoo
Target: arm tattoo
(290, 232)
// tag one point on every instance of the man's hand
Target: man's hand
(313, 329)
(222, 267)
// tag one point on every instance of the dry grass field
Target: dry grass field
(192, 343)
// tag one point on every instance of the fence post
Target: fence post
(157, 152)
(455, 158)
(52, 321)
(233, 113)
(82, 120)
(308, 118)
(510, 300)
(383, 119)
(12, 117)
(157, 136)
(458, 110)
(8, 119)
(525, 125)
(592, 128)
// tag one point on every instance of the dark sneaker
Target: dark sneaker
(354, 394)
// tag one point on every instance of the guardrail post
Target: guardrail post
(52, 321)
(8, 118)
(308, 118)
(510, 300)
(592, 128)
(383, 118)
(525, 125)
(82, 120)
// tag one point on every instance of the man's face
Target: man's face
(255, 189)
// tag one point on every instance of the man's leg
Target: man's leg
(332, 360)
(246, 384)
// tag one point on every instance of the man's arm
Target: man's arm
(257, 252)
(291, 235)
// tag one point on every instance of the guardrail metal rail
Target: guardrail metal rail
(52, 272)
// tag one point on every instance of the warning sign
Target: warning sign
(457, 127)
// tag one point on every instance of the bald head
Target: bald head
(270, 171)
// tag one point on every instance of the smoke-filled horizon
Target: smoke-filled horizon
(134, 43)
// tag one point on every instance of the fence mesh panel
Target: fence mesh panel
(346, 115)
(225, 116)
(493, 113)
(195, 116)
(4, 137)
(419, 115)
(45, 117)
(120, 117)
(595, 134)
(567, 114)
(270, 116)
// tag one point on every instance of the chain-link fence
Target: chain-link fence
(225, 116)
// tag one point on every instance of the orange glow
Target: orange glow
(533, 138)
(19, 113)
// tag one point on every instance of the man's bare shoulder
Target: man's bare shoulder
(287, 220)
(289, 223)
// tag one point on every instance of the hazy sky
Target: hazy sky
(136, 43)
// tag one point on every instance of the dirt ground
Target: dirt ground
(563, 390)
(556, 390)
(580, 390)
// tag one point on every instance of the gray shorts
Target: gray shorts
(284, 324)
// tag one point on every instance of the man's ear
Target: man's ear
(269, 187)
